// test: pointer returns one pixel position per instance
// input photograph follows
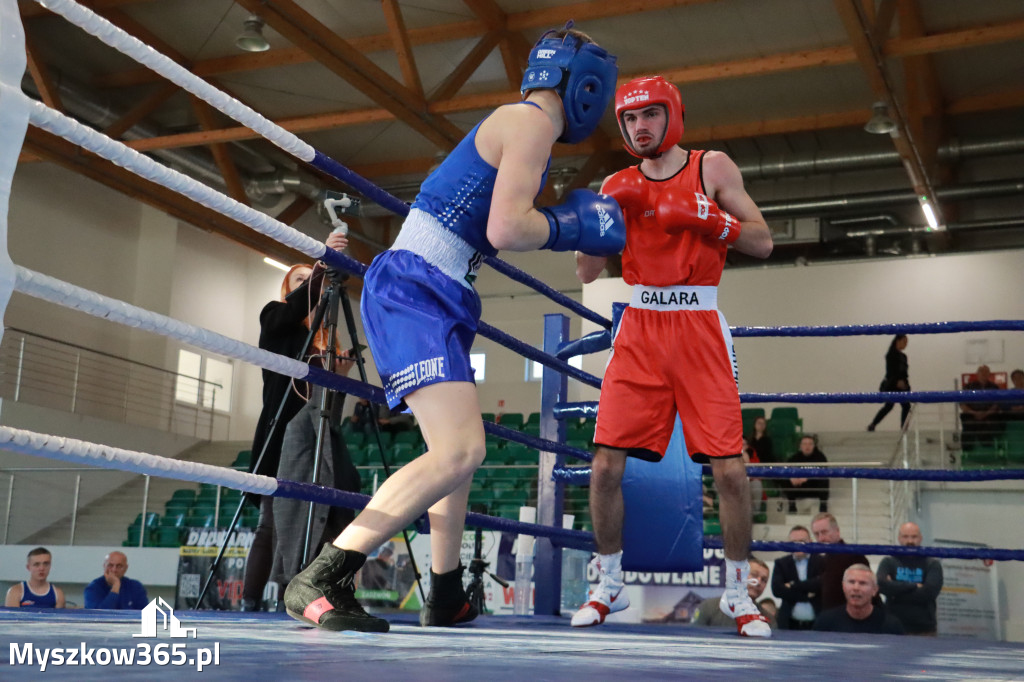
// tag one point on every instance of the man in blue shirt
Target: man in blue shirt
(114, 591)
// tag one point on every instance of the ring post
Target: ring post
(547, 572)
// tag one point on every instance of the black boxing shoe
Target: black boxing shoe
(324, 594)
(447, 603)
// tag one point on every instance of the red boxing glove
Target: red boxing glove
(628, 189)
(677, 211)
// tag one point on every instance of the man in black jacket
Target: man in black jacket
(799, 488)
(911, 585)
(826, 531)
(796, 580)
(859, 614)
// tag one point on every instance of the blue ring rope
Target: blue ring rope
(581, 475)
(518, 275)
(866, 329)
(564, 537)
(537, 355)
(715, 542)
(535, 442)
(578, 539)
(588, 408)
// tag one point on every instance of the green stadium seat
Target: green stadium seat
(533, 418)
(173, 506)
(788, 414)
(411, 437)
(982, 456)
(402, 453)
(488, 416)
(1015, 443)
(354, 439)
(185, 495)
(385, 439)
(516, 453)
(200, 521)
(371, 455)
(242, 460)
(152, 520)
(531, 429)
(750, 415)
(581, 444)
(513, 420)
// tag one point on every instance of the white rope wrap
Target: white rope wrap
(52, 121)
(54, 290)
(124, 42)
(81, 452)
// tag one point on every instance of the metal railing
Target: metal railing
(48, 504)
(47, 372)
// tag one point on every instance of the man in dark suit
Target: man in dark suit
(826, 531)
(796, 580)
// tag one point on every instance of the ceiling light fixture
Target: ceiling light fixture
(273, 263)
(880, 122)
(251, 39)
(930, 214)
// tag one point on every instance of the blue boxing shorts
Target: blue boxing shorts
(419, 321)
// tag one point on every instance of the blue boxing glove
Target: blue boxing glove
(588, 222)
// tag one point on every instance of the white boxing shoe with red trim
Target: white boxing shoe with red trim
(609, 596)
(738, 605)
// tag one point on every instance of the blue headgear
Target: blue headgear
(582, 74)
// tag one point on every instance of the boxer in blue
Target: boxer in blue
(420, 314)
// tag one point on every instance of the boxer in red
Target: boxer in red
(673, 351)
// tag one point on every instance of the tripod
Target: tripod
(477, 569)
(325, 316)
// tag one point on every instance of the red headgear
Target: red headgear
(643, 92)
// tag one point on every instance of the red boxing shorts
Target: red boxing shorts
(672, 353)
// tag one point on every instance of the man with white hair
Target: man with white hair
(859, 614)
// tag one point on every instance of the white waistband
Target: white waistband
(677, 297)
(424, 235)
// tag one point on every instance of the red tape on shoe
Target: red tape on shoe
(743, 620)
(317, 609)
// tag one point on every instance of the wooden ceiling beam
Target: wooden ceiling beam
(441, 33)
(894, 47)
(870, 56)
(515, 49)
(924, 95)
(305, 31)
(882, 21)
(400, 43)
(41, 76)
(142, 109)
(955, 40)
(294, 210)
(470, 63)
(72, 157)
(228, 170)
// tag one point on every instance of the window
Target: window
(215, 388)
(478, 361)
(534, 370)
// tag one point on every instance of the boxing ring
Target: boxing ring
(250, 646)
